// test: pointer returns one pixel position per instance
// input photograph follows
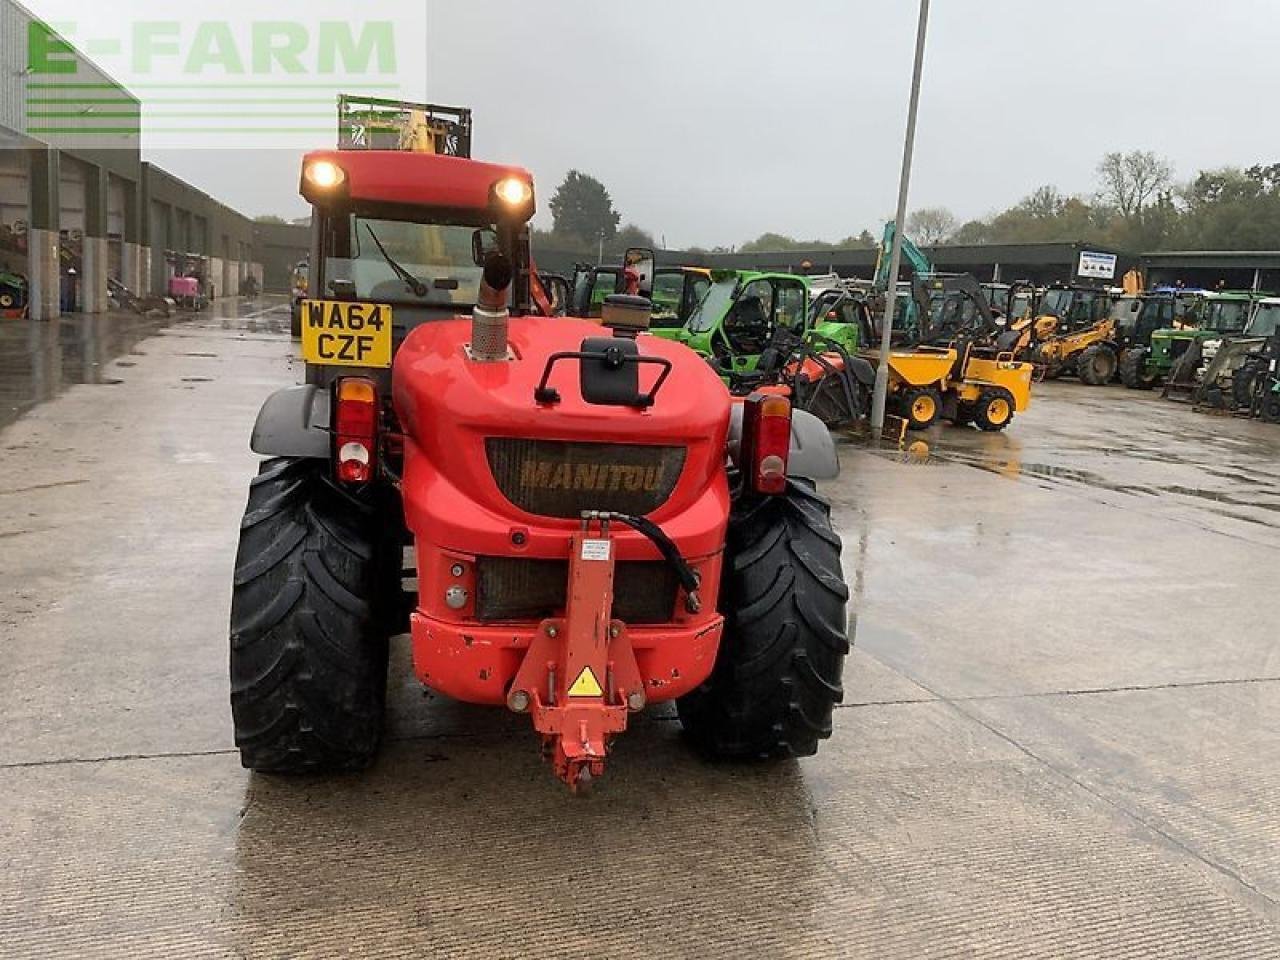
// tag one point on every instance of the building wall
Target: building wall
(17, 85)
(279, 246)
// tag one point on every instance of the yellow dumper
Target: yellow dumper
(963, 384)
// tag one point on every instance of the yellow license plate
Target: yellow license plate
(346, 333)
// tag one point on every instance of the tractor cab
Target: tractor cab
(953, 307)
(1013, 301)
(736, 318)
(842, 314)
(410, 233)
(1226, 312)
(1066, 309)
(1136, 318)
(675, 292)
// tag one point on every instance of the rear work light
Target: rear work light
(355, 429)
(766, 441)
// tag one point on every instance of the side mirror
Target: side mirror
(640, 261)
(484, 243)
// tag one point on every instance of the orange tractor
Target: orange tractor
(595, 525)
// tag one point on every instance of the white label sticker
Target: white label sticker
(595, 549)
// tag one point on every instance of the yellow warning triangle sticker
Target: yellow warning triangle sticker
(586, 685)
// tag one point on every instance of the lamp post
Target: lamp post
(881, 390)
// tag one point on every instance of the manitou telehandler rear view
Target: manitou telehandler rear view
(596, 525)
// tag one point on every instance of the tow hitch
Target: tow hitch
(580, 679)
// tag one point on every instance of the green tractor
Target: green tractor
(735, 321)
(1231, 370)
(1214, 315)
(13, 292)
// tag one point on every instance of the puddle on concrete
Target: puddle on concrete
(1013, 468)
(41, 358)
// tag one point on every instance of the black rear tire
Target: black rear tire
(1096, 365)
(295, 319)
(1245, 383)
(1271, 407)
(1133, 369)
(777, 676)
(993, 410)
(308, 626)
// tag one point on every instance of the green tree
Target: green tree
(633, 236)
(769, 242)
(931, 225)
(582, 208)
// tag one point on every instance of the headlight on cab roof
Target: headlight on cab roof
(324, 174)
(513, 191)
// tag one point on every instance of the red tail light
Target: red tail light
(355, 430)
(766, 441)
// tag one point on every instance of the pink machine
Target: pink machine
(184, 288)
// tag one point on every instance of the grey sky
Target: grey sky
(713, 121)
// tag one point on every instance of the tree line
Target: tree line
(1137, 205)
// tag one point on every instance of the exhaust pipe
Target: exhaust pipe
(490, 316)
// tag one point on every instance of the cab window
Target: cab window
(668, 296)
(790, 306)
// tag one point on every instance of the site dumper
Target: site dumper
(597, 526)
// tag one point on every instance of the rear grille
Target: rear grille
(555, 478)
(512, 588)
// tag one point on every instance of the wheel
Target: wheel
(7, 300)
(1245, 382)
(1133, 369)
(1096, 365)
(777, 675)
(920, 406)
(993, 410)
(1271, 407)
(308, 622)
(295, 319)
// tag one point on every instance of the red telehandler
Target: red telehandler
(597, 526)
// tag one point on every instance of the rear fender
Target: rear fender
(813, 452)
(294, 422)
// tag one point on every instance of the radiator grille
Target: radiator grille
(554, 478)
(513, 588)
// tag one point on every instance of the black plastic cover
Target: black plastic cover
(610, 380)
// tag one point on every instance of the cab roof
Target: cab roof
(420, 179)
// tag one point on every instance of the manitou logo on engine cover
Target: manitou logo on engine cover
(558, 478)
(542, 475)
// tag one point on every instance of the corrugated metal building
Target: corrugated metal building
(78, 204)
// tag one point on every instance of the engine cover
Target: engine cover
(478, 430)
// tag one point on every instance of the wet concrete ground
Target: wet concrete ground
(1059, 736)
